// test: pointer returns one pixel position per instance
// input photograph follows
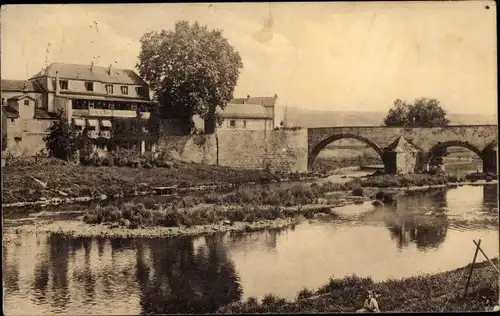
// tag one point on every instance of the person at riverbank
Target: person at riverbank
(370, 305)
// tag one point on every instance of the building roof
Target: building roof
(20, 97)
(9, 112)
(242, 111)
(97, 73)
(265, 101)
(401, 144)
(20, 86)
(42, 114)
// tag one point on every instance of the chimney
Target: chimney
(275, 96)
(58, 87)
(92, 66)
(109, 69)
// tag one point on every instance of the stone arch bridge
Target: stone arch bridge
(408, 150)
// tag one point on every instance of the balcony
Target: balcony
(105, 134)
(93, 134)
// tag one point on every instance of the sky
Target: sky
(348, 56)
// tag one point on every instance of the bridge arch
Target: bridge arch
(435, 149)
(322, 144)
(454, 143)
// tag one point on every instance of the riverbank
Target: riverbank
(49, 179)
(426, 293)
(54, 182)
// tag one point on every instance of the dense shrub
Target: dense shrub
(480, 176)
(304, 294)
(357, 191)
(384, 197)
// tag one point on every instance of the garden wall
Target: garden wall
(283, 151)
(190, 148)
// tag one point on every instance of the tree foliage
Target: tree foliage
(423, 112)
(192, 70)
(127, 131)
(63, 140)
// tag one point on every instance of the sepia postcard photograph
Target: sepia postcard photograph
(249, 158)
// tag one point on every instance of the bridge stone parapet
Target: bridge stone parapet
(481, 139)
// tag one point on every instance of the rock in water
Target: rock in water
(40, 182)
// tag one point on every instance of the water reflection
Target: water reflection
(490, 196)
(185, 280)
(119, 276)
(418, 218)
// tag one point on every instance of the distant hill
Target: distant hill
(311, 118)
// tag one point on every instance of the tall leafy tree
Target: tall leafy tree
(63, 140)
(423, 112)
(192, 70)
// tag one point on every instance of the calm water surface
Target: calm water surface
(423, 233)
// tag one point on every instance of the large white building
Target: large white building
(88, 96)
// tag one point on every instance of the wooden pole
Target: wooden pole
(472, 267)
(494, 266)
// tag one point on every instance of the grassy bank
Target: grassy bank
(69, 180)
(77, 180)
(427, 293)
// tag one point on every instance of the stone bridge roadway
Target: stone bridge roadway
(425, 141)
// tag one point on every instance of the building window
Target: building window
(232, 123)
(63, 84)
(140, 91)
(89, 86)
(124, 90)
(26, 102)
(109, 89)
(245, 124)
(12, 120)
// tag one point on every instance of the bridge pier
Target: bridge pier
(404, 162)
(490, 160)
(401, 157)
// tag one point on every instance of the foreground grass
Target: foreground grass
(427, 293)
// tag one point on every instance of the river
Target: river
(425, 232)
